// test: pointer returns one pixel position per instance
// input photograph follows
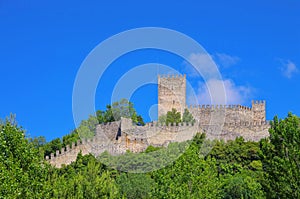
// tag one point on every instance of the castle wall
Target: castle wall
(229, 131)
(108, 130)
(219, 114)
(171, 93)
(68, 155)
(217, 121)
(138, 138)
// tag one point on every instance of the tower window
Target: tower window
(173, 101)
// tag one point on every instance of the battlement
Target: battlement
(247, 124)
(258, 101)
(157, 124)
(229, 122)
(138, 138)
(221, 107)
(172, 76)
(69, 148)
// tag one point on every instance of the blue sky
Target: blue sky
(256, 45)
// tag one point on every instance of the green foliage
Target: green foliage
(21, 172)
(173, 117)
(122, 108)
(238, 153)
(242, 185)
(87, 128)
(38, 141)
(281, 158)
(140, 120)
(52, 146)
(162, 119)
(233, 169)
(144, 162)
(105, 116)
(135, 185)
(70, 138)
(85, 178)
(151, 149)
(189, 176)
(187, 117)
(46, 148)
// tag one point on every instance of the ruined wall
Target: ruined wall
(156, 134)
(108, 131)
(93, 146)
(68, 155)
(219, 114)
(102, 141)
(118, 137)
(171, 93)
(229, 131)
(218, 122)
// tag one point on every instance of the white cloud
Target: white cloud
(288, 69)
(215, 90)
(220, 92)
(207, 64)
(226, 60)
(201, 62)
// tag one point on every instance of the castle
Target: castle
(172, 94)
(218, 122)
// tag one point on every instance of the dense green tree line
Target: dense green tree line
(233, 169)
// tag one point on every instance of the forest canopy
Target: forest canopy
(234, 169)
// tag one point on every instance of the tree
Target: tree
(70, 138)
(187, 117)
(135, 185)
(22, 172)
(122, 108)
(281, 158)
(162, 119)
(105, 116)
(140, 120)
(87, 128)
(84, 178)
(189, 176)
(52, 146)
(173, 117)
(38, 141)
(242, 185)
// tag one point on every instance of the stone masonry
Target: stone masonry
(218, 122)
(171, 93)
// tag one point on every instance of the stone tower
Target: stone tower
(259, 111)
(171, 93)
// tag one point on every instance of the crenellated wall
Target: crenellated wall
(68, 154)
(218, 122)
(118, 137)
(172, 94)
(205, 114)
